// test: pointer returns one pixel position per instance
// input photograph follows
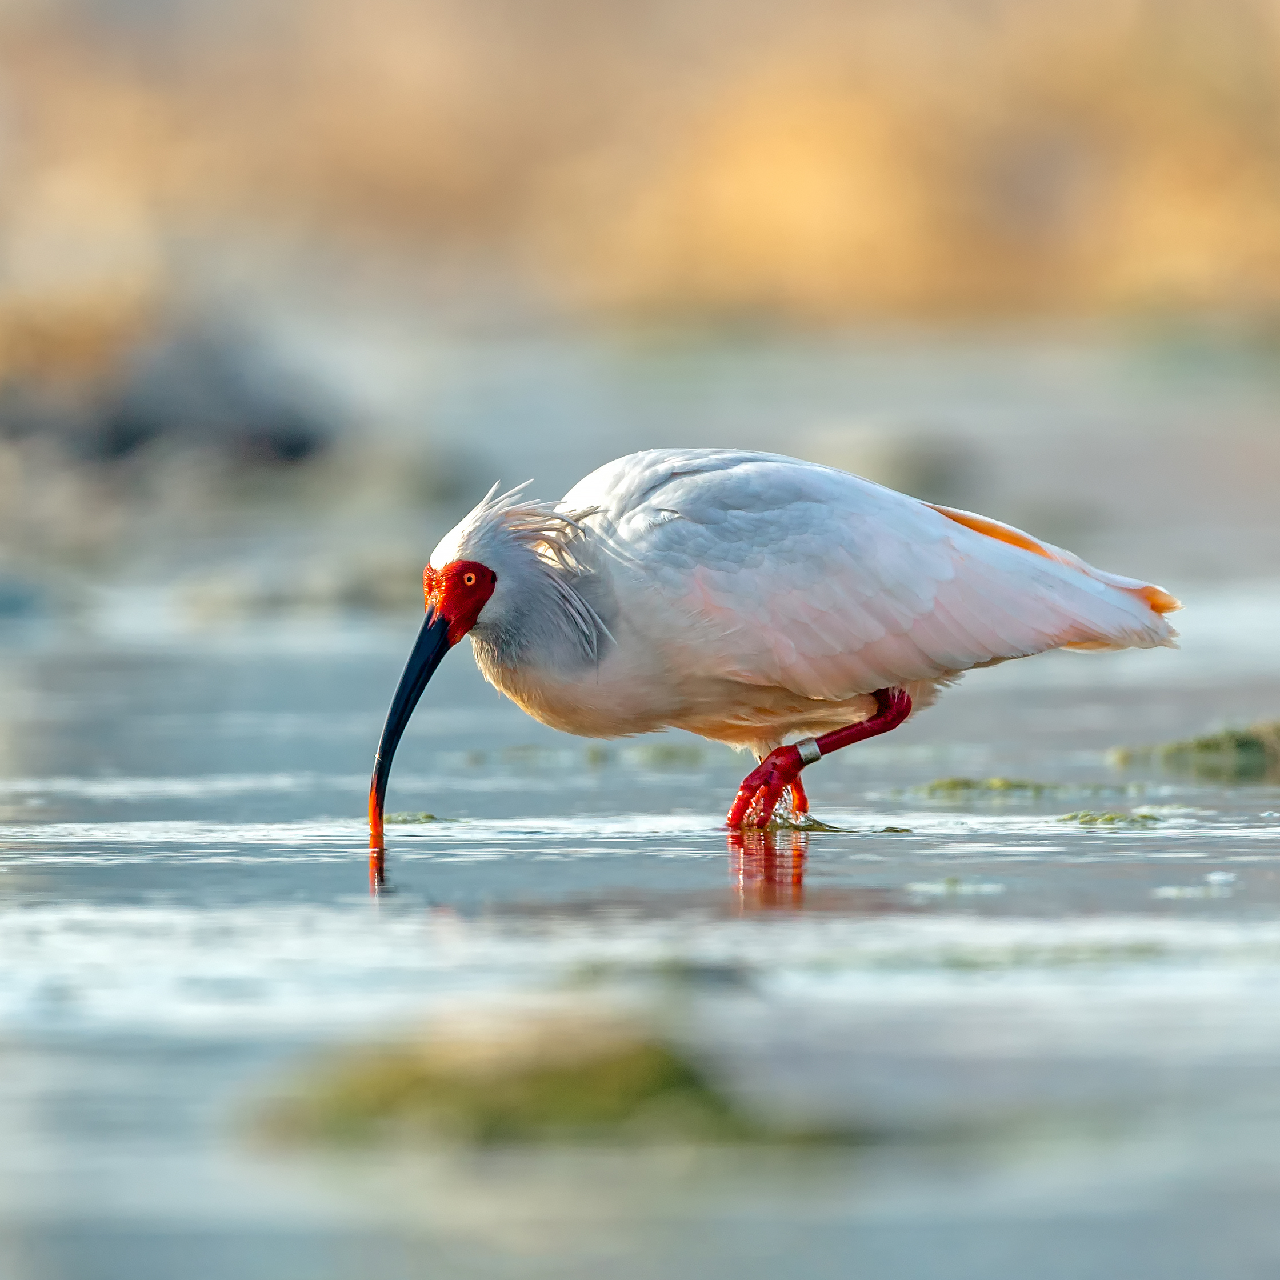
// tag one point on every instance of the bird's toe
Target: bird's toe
(762, 788)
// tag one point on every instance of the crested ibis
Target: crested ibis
(772, 604)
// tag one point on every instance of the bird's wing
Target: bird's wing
(772, 571)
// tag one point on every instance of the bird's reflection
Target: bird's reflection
(768, 868)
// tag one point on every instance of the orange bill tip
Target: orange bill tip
(375, 820)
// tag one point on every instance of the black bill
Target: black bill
(428, 650)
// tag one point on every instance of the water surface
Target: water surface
(1066, 1035)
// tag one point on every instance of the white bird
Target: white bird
(749, 598)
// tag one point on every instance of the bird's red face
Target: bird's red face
(454, 597)
(457, 593)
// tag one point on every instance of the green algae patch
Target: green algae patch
(1069, 955)
(799, 822)
(674, 974)
(954, 886)
(984, 786)
(1233, 755)
(1086, 818)
(560, 1081)
(667, 755)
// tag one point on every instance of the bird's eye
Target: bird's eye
(469, 580)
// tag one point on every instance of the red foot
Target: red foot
(766, 782)
(780, 769)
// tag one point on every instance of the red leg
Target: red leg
(893, 706)
(781, 767)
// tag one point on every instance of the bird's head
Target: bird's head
(454, 594)
(482, 576)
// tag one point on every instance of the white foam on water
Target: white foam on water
(27, 843)
(210, 785)
(214, 786)
(1184, 833)
(288, 970)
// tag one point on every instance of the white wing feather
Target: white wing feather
(771, 571)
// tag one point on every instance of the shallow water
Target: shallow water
(1064, 1036)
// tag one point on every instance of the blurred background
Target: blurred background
(317, 271)
(285, 286)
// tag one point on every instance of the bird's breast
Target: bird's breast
(621, 699)
(611, 699)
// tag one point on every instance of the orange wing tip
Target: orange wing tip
(1158, 599)
(993, 529)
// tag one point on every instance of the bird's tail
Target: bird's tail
(1156, 599)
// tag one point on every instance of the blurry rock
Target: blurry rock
(928, 465)
(20, 598)
(123, 434)
(213, 389)
(203, 388)
(513, 1077)
(377, 583)
(1234, 755)
(29, 591)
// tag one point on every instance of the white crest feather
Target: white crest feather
(550, 535)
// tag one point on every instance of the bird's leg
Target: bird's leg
(781, 767)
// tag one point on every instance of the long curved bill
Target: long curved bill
(428, 650)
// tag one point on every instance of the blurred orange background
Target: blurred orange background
(807, 167)
(810, 160)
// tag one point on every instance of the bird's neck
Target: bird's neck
(549, 624)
